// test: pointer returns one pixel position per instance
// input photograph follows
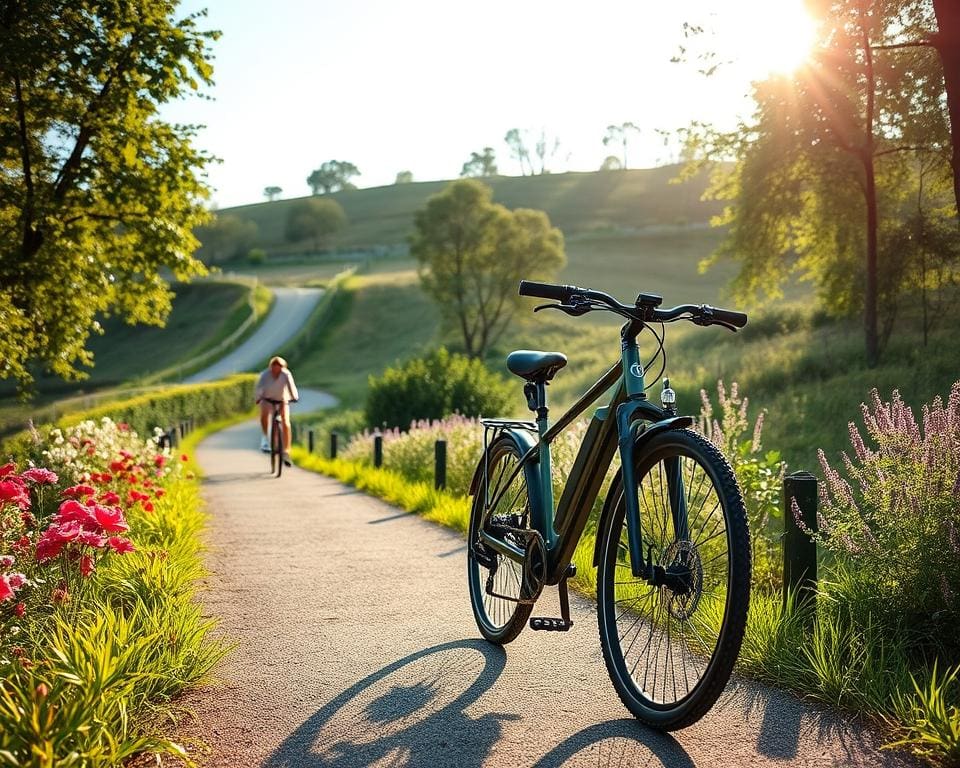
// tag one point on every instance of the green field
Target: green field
(575, 202)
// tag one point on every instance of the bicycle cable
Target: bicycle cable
(661, 352)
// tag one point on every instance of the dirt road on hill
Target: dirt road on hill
(356, 647)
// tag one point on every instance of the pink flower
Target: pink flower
(120, 545)
(110, 498)
(16, 580)
(6, 561)
(73, 511)
(123, 426)
(92, 539)
(6, 591)
(110, 519)
(76, 491)
(7, 469)
(41, 476)
(86, 566)
(12, 492)
(126, 454)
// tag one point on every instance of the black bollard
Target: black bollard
(440, 464)
(799, 550)
(309, 441)
(333, 445)
(378, 451)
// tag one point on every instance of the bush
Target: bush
(433, 387)
(894, 518)
(162, 408)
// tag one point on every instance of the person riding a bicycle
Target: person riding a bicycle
(276, 383)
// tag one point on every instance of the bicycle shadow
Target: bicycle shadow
(617, 743)
(412, 711)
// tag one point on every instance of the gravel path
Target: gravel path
(356, 647)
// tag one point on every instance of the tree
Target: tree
(226, 237)
(272, 193)
(333, 175)
(618, 134)
(823, 172)
(480, 165)
(519, 150)
(473, 253)
(98, 196)
(314, 220)
(546, 149)
(611, 163)
(404, 177)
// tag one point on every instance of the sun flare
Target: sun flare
(775, 38)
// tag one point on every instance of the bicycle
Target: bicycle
(672, 547)
(276, 437)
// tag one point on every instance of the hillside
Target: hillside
(577, 203)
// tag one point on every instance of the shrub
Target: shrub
(894, 517)
(759, 474)
(432, 387)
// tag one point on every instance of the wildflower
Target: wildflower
(41, 476)
(16, 580)
(7, 469)
(86, 566)
(184, 457)
(42, 691)
(148, 506)
(6, 591)
(159, 460)
(110, 518)
(6, 561)
(12, 492)
(73, 511)
(110, 498)
(120, 545)
(76, 491)
(19, 609)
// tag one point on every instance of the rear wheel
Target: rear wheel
(496, 581)
(276, 448)
(670, 648)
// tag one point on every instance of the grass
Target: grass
(575, 202)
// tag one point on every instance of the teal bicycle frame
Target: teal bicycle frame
(624, 426)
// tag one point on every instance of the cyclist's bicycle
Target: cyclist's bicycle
(276, 436)
(672, 547)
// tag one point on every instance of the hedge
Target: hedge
(161, 408)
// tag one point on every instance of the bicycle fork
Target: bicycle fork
(635, 433)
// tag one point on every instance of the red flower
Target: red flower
(110, 498)
(123, 426)
(118, 466)
(110, 518)
(86, 566)
(105, 477)
(19, 609)
(92, 539)
(6, 591)
(148, 506)
(12, 492)
(126, 454)
(21, 545)
(159, 460)
(6, 561)
(16, 580)
(184, 457)
(73, 511)
(76, 491)
(160, 493)
(41, 476)
(6, 469)
(120, 545)
(28, 519)
(91, 450)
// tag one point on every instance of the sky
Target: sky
(419, 85)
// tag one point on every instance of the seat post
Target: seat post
(542, 409)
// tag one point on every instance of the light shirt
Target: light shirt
(280, 388)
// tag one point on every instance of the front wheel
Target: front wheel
(497, 582)
(670, 648)
(276, 448)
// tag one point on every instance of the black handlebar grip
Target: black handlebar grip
(736, 319)
(546, 290)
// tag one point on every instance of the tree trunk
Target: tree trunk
(870, 195)
(947, 43)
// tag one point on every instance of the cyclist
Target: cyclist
(276, 383)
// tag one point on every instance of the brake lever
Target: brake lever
(571, 309)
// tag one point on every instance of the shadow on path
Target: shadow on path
(618, 743)
(409, 712)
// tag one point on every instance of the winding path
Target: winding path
(356, 647)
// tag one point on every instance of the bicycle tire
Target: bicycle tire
(696, 628)
(499, 620)
(276, 448)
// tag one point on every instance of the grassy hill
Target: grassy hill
(575, 202)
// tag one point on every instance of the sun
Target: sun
(771, 38)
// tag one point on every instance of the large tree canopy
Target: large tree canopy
(844, 171)
(97, 193)
(473, 254)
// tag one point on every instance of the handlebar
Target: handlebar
(577, 301)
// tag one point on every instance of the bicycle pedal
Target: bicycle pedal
(548, 624)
